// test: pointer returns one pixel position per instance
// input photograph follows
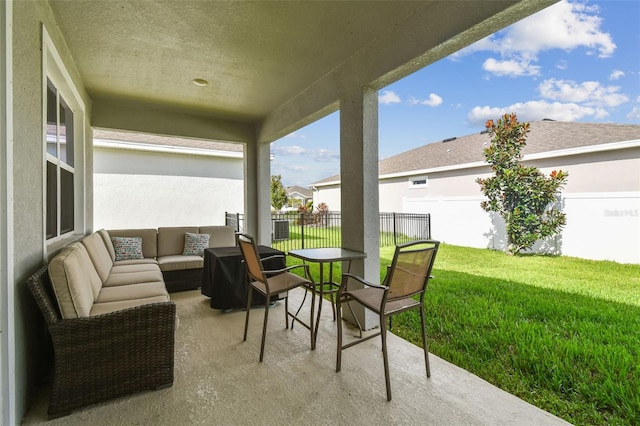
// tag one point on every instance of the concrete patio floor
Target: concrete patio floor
(218, 380)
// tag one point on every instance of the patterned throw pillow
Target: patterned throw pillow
(127, 247)
(194, 244)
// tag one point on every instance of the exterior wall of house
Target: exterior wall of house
(330, 195)
(30, 352)
(601, 200)
(144, 189)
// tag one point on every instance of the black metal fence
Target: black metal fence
(294, 230)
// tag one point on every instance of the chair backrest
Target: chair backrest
(251, 257)
(411, 267)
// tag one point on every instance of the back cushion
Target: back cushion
(149, 239)
(171, 239)
(107, 242)
(75, 281)
(99, 254)
(221, 236)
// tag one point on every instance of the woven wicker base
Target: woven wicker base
(182, 280)
(106, 356)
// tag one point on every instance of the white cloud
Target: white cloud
(536, 110)
(590, 93)
(512, 68)
(317, 154)
(288, 150)
(296, 135)
(433, 100)
(616, 74)
(634, 114)
(388, 97)
(562, 65)
(564, 25)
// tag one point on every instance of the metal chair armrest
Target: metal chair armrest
(288, 269)
(361, 280)
(273, 256)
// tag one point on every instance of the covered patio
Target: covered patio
(218, 380)
(246, 72)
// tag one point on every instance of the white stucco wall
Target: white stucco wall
(142, 189)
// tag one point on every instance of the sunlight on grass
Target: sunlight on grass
(558, 332)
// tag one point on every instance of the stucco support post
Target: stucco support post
(8, 394)
(359, 191)
(257, 184)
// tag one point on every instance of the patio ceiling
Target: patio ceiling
(268, 64)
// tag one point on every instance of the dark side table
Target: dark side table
(224, 276)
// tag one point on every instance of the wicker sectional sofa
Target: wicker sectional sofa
(111, 321)
(166, 245)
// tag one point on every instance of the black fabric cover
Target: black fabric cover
(224, 276)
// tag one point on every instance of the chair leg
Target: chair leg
(246, 321)
(264, 330)
(286, 312)
(313, 331)
(383, 335)
(424, 342)
(339, 346)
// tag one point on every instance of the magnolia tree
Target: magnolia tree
(523, 196)
(279, 195)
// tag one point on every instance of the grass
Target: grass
(561, 333)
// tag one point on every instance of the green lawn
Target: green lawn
(561, 333)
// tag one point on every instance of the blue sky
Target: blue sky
(574, 61)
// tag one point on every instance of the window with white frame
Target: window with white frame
(64, 142)
(418, 182)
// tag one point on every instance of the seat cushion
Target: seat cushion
(120, 268)
(75, 281)
(132, 292)
(143, 261)
(107, 307)
(133, 278)
(179, 262)
(281, 283)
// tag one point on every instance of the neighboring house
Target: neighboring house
(147, 181)
(601, 198)
(298, 196)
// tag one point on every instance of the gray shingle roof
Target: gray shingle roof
(120, 136)
(544, 136)
(305, 192)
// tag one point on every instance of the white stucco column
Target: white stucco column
(257, 191)
(359, 181)
(7, 293)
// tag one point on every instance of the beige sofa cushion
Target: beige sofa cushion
(75, 281)
(132, 292)
(99, 254)
(107, 307)
(149, 240)
(107, 242)
(171, 240)
(126, 278)
(180, 262)
(145, 261)
(120, 268)
(221, 236)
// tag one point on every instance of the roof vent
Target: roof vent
(448, 139)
